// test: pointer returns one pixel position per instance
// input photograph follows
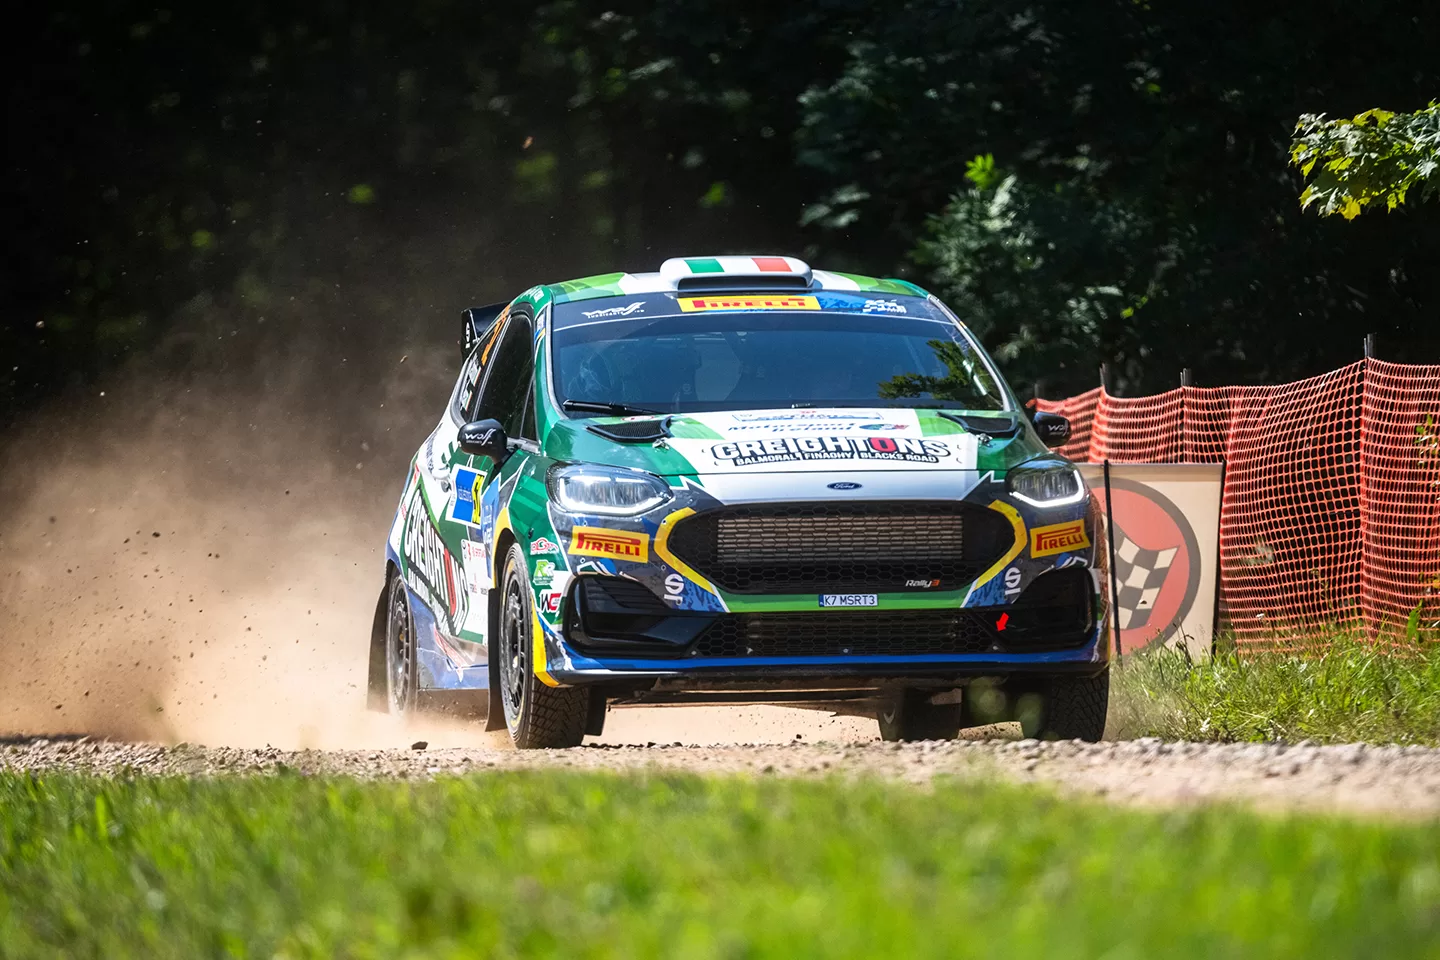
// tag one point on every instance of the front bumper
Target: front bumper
(647, 554)
(572, 668)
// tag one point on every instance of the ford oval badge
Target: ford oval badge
(843, 485)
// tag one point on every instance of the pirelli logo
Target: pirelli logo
(694, 304)
(615, 544)
(1058, 538)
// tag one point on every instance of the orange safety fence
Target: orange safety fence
(1331, 509)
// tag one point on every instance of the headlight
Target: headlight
(1049, 484)
(611, 491)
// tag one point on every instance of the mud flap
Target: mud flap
(377, 696)
(495, 717)
(595, 714)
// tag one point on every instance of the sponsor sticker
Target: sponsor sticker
(466, 506)
(637, 307)
(427, 561)
(696, 304)
(745, 453)
(550, 600)
(1012, 581)
(616, 544)
(543, 546)
(674, 588)
(884, 306)
(923, 584)
(544, 572)
(809, 427)
(791, 416)
(1058, 538)
(473, 559)
(849, 600)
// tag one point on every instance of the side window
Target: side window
(468, 386)
(508, 374)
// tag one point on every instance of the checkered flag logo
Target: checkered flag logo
(1140, 574)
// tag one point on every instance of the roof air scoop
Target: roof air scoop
(736, 273)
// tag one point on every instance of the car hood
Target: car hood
(829, 440)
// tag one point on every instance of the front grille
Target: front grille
(859, 547)
(849, 633)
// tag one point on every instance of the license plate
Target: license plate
(849, 600)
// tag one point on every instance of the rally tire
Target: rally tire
(911, 716)
(402, 673)
(1069, 708)
(536, 715)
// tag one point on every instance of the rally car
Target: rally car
(740, 480)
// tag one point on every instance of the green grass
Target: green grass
(573, 865)
(1342, 691)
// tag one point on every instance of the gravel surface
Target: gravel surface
(1357, 779)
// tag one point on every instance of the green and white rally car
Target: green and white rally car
(741, 480)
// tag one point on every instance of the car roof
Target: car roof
(748, 274)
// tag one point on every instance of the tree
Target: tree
(1373, 156)
(1146, 214)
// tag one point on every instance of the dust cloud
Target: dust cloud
(202, 564)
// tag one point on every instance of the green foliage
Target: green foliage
(1090, 183)
(523, 864)
(1048, 311)
(1375, 156)
(1088, 180)
(1341, 691)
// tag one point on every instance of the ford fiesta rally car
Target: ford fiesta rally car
(740, 480)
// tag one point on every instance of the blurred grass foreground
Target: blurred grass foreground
(552, 864)
(1339, 690)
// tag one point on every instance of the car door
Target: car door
(506, 363)
(429, 544)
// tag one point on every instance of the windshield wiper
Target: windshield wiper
(617, 409)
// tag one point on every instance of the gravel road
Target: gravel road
(1353, 779)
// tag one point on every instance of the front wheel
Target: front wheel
(1067, 708)
(911, 716)
(535, 714)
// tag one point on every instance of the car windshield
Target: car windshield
(670, 353)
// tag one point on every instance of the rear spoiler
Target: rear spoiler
(475, 321)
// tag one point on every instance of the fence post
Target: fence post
(1110, 547)
(1187, 380)
(1369, 345)
(1105, 377)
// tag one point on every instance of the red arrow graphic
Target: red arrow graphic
(1004, 619)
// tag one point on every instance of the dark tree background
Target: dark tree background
(201, 189)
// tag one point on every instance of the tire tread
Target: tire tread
(556, 718)
(1075, 708)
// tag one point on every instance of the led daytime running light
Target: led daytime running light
(1051, 485)
(605, 491)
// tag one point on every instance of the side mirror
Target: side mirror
(1053, 429)
(485, 438)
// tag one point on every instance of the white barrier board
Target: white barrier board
(1166, 551)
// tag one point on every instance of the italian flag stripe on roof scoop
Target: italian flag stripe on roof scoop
(727, 271)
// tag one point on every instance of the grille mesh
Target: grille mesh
(857, 633)
(862, 547)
